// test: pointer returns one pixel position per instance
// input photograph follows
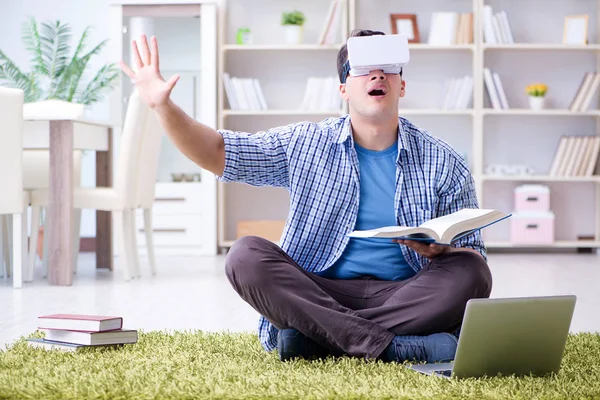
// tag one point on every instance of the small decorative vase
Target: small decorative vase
(293, 34)
(243, 36)
(536, 102)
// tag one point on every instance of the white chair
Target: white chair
(36, 175)
(13, 201)
(146, 174)
(136, 176)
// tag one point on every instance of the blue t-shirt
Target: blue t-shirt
(380, 258)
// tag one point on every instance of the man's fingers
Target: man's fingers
(145, 50)
(154, 52)
(172, 81)
(417, 245)
(425, 249)
(128, 71)
(437, 248)
(136, 54)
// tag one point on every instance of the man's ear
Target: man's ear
(343, 92)
(403, 88)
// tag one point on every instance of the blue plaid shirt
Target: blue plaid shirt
(318, 165)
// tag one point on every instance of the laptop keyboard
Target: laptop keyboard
(445, 372)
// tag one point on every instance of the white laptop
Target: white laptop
(512, 336)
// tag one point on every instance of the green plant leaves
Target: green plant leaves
(55, 74)
(292, 18)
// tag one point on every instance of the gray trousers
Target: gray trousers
(358, 317)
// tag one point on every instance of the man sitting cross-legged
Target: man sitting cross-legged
(320, 292)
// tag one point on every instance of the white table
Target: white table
(61, 137)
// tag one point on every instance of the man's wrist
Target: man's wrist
(164, 108)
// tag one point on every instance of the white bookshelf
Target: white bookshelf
(487, 136)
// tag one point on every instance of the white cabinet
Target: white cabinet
(184, 214)
(183, 219)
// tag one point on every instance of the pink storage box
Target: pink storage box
(532, 228)
(532, 198)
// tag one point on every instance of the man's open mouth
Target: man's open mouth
(377, 92)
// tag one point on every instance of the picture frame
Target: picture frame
(405, 24)
(576, 29)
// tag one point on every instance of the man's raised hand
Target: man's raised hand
(152, 87)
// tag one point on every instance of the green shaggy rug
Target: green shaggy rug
(197, 365)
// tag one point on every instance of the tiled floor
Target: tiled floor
(193, 293)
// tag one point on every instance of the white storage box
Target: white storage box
(532, 227)
(532, 198)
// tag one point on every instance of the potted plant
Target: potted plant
(55, 73)
(536, 93)
(293, 23)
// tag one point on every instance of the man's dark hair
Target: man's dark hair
(342, 56)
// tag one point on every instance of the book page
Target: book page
(448, 226)
(395, 232)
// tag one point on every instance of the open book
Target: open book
(442, 230)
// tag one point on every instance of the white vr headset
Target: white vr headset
(388, 53)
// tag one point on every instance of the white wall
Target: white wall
(73, 12)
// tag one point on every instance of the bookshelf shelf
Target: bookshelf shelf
(542, 46)
(434, 111)
(556, 244)
(282, 47)
(542, 113)
(454, 47)
(541, 178)
(259, 113)
(336, 47)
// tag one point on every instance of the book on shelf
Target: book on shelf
(331, 30)
(321, 94)
(80, 322)
(495, 90)
(458, 93)
(70, 332)
(496, 29)
(450, 28)
(244, 93)
(586, 92)
(575, 156)
(442, 230)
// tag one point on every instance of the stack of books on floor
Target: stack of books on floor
(70, 332)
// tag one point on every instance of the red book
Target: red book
(79, 322)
